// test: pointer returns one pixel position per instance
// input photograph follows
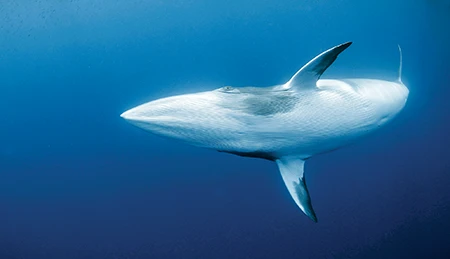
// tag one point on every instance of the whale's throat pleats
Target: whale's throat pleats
(292, 171)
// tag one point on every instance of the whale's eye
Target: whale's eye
(228, 89)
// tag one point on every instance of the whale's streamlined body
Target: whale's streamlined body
(286, 123)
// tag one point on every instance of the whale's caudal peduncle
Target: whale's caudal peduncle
(286, 123)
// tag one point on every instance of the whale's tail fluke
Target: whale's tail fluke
(400, 67)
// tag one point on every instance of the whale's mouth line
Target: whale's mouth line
(159, 120)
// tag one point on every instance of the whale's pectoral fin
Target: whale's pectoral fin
(308, 75)
(291, 169)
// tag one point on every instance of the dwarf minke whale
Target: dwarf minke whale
(286, 123)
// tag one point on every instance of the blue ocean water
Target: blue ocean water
(77, 181)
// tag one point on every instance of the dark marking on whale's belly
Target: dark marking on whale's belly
(266, 105)
(255, 154)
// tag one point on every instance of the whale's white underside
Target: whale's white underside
(286, 123)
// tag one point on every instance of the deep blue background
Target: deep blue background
(77, 181)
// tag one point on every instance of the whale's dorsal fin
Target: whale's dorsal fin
(291, 169)
(308, 75)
